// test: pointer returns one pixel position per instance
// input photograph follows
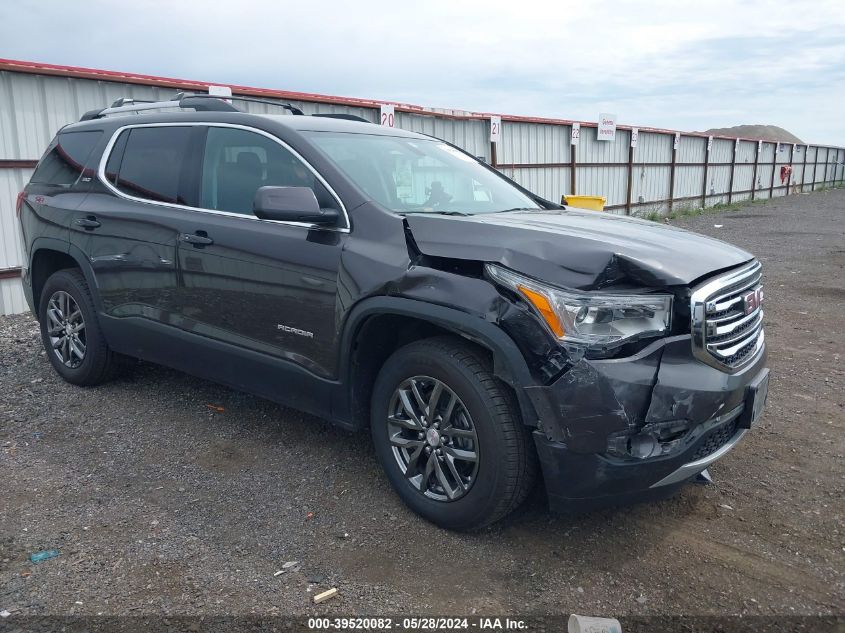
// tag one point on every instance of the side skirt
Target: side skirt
(275, 379)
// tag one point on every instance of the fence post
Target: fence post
(704, 179)
(774, 169)
(494, 161)
(804, 169)
(815, 162)
(826, 163)
(754, 171)
(672, 171)
(573, 150)
(733, 169)
(630, 177)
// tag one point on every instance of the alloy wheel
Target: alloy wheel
(433, 438)
(66, 329)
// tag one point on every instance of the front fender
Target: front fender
(508, 363)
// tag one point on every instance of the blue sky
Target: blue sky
(687, 66)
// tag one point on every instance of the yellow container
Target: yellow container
(594, 203)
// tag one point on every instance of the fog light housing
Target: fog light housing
(653, 440)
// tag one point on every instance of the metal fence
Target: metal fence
(666, 170)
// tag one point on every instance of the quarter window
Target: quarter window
(148, 162)
(65, 159)
(238, 162)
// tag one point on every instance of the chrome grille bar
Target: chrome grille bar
(724, 335)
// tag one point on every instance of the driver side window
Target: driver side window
(237, 163)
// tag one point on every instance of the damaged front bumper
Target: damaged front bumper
(629, 429)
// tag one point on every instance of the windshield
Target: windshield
(410, 175)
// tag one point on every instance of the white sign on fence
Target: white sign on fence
(388, 115)
(575, 134)
(677, 141)
(709, 143)
(607, 127)
(495, 129)
(635, 135)
(759, 147)
(736, 146)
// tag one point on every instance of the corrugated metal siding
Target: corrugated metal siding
(548, 182)
(12, 300)
(11, 182)
(533, 143)
(653, 148)
(591, 150)
(722, 151)
(692, 149)
(688, 181)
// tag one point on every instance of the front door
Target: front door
(266, 286)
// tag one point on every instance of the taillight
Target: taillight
(19, 203)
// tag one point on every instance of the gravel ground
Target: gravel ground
(166, 494)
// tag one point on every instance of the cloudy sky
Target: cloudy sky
(687, 66)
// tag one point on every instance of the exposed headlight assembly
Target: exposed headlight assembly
(594, 320)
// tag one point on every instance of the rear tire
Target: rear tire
(464, 461)
(71, 333)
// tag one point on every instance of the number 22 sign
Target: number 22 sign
(388, 115)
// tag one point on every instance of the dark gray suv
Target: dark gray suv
(388, 280)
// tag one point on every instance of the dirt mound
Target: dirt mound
(765, 132)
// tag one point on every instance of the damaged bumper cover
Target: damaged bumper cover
(629, 429)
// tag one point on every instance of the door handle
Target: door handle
(198, 239)
(90, 223)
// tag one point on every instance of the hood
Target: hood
(576, 249)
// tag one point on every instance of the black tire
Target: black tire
(506, 460)
(98, 363)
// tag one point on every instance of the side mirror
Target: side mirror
(291, 204)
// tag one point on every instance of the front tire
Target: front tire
(71, 333)
(449, 436)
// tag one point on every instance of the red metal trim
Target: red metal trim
(10, 273)
(6, 163)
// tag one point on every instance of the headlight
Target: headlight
(592, 319)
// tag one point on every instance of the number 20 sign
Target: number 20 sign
(388, 115)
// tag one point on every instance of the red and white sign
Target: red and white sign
(607, 127)
(575, 135)
(709, 143)
(388, 115)
(635, 136)
(677, 143)
(495, 129)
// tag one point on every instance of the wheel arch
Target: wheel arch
(376, 327)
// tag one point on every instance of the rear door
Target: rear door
(261, 285)
(128, 227)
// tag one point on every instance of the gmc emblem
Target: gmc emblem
(752, 300)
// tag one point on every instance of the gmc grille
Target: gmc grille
(727, 318)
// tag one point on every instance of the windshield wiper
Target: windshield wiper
(441, 212)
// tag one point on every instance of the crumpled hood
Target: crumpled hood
(576, 249)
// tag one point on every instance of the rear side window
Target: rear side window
(66, 158)
(148, 162)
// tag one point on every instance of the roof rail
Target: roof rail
(342, 115)
(198, 102)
